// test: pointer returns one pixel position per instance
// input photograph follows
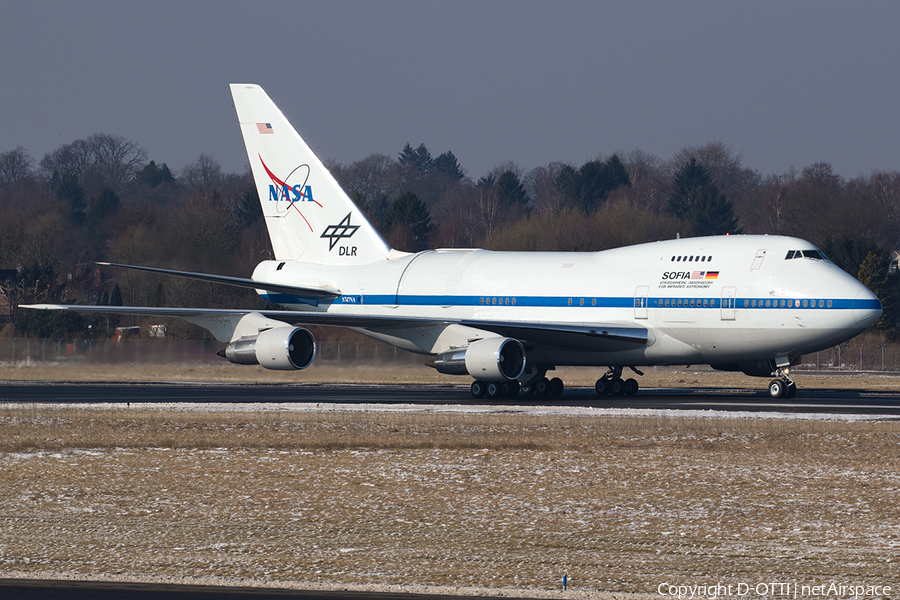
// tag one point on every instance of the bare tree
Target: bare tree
(723, 165)
(15, 165)
(99, 162)
(204, 175)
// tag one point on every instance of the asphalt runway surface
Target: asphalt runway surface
(88, 590)
(741, 400)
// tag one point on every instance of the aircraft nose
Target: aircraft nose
(867, 308)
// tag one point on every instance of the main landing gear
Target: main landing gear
(508, 389)
(783, 386)
(612, 383)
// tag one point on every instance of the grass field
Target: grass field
(507, 501)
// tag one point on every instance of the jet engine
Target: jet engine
(280, 348)
(764, 368)
(491, 359)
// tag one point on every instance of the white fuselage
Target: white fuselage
(726, 299)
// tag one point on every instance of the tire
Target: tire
(617, 387)
(631, 387)
(542, 386)
(478, 389)
(494, 389)
(791, 390)
(777, 388)
(527, 390)
(556, 386)
(602, 387)
(513, 388)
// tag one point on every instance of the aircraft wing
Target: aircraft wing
(594, 337)
(279, 288)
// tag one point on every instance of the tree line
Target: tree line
(101, 198)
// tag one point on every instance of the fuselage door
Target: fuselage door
(640, 301)
(728, 294)
(757, 260)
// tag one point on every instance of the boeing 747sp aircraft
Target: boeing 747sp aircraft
(743, 303)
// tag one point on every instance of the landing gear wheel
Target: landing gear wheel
(494, 389)
(479, 389)
(512, 389)
(542, 386)
(527, 390)
(791, 390)
(631, 387)
(556, 386)
(617, 387)
(777, 388)
(602, 386)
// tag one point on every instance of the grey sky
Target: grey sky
(785, 84)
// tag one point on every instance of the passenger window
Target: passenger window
(829, 304)
(746, 303)
(821, 303)
(705, 302)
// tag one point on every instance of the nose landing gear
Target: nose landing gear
(783, 386)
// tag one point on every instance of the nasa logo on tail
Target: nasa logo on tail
(335, 233)
(293, 189)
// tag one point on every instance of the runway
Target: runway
(732, 400)
(30, 589)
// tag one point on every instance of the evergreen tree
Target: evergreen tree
(698, 202)
(487, 182)
(587, 188)
(152, 175)
(419, 159)
(873, 273)
(510, 190)
(447, 164)
(410, 222)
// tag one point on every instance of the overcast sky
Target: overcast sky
(784, 84)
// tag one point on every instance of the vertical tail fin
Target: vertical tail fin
(309, 217)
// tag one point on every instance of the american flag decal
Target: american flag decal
(265, 128)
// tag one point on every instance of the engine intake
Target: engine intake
(281, 349)
(491, 359)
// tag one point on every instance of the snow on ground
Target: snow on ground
(500, 499)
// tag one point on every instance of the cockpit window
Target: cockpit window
(813, 254)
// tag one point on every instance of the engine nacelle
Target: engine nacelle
(491, 359)
(763, 368)
(280, 348)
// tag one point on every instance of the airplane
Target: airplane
(749, 303)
